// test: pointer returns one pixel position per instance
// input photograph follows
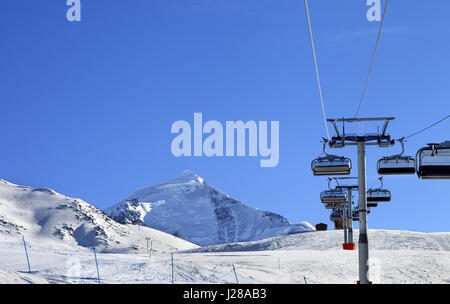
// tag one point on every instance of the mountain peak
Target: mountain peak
(188, 207)
(188, 175)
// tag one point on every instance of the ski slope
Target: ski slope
(13, 277)
(396, 257)
(47, 218)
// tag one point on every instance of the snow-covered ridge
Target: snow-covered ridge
(188, 207)
(44, 216)
(332, 240)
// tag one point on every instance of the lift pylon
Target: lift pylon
(348, 240)
(381, 140)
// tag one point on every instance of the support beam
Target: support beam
(344, 223)
(350, 215)
(363, 243)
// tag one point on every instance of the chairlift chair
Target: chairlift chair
(336, 196)
(378, 195)
(334, 205)
(331, 165)
(336, 215)
(397, 164)
(433, 162)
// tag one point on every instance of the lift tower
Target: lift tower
(348, 211)
(381, 140)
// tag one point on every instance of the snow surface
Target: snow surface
(13, 277)
(187, 207)
(396, 257)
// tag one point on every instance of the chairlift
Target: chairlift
(336, 215)
(397, 164)
(378, 195)
(433, 162)
(336, 196)
(331, 165)
(334, 205)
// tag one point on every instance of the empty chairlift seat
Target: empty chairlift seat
(433, 162)
(336, 215)
(331, 165)
(334, 205)
(396, 165)
(378, 195)
(334, 196)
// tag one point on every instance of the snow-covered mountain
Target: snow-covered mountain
(188, 207)
(44, 216)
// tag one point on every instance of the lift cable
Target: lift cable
(421, 131)
(317, 69)
(373, 59)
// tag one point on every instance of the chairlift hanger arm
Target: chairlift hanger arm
(381, 181)
(385, 127)
(335, 127)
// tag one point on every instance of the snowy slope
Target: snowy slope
(12, 277)
(188, 207)
(395, 257)
(44, 216)
(332, 240)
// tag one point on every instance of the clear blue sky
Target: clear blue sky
(86, 108)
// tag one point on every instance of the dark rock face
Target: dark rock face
(227, 231)
(128, 215)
